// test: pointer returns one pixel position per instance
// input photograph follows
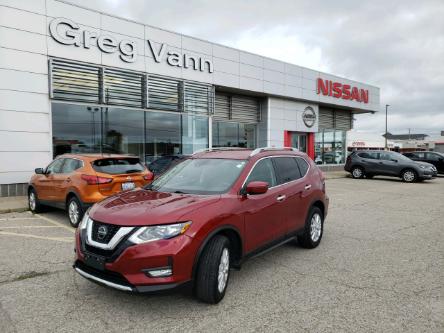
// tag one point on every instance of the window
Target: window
(116, 166)
(433, 157)
(71, 165)
(287, 169)
(228, 134)
(386, 156)
(303, 166)
(55, 166)
(419, 155)
(194, 133)
(263, 171)
(330, 147)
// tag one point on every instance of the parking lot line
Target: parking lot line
(55, 222)
(17, 218)
(59, 239)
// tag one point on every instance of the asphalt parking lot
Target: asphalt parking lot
(379, 268)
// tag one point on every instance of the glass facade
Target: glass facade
(229, 134)
(147, 134)
(330, 147)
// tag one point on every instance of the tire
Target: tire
(313, 230)
(213, 271)
(33, 202)
(409, 176)
(75, 211)
(357, 172)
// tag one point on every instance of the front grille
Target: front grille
(103, 232)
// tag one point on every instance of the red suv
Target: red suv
(202, 217)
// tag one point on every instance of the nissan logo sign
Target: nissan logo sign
(101, 232)
(309, 116)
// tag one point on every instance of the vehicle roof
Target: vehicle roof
(244, 154)
(96, 156)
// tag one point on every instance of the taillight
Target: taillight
(95, 180)
(149, 176)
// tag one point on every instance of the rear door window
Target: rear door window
(116, 166)
(303, 165)
(287, 169)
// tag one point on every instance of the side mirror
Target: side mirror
(257, 187)
(40, 171)
(394, 160)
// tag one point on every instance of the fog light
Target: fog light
(159, 272)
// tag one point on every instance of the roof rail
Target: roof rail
(262, 149)
(217, 149)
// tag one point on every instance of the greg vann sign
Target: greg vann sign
(68, 32)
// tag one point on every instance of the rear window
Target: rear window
(116, 166)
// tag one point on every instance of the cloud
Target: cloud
(397, 46)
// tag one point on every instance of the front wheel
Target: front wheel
(75, 211)
(33, 202)
(409, 176)
(213, 271)
(313, 230)
(357, 172)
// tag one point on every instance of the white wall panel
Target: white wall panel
(197, 45)
(24, 121)
(23, 61)
(23, 101)
(225, 52)
(251, 59)
(226, 66)
(79, 15)
(35, 6)
(251, 71)
(162, 68)
(251, 84)
(22, 40)
(93, 54)
(273, 88)
(125, 27)
(22, 20)
(113, 60)
(163, 36)
(13, 177)
(274, 65)
(23, 141)
(225, 79)
(273, 76)
(23, 81)
(23, 161)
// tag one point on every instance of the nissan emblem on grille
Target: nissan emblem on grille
(101, 232)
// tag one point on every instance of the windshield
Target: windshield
(200, 176)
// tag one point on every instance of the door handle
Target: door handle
(68, 179)
(307, 187)
(281, 198)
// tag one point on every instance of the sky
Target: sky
(395, 45)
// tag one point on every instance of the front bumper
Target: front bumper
(117, 281)
(126, 267)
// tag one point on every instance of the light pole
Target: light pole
(386, 108)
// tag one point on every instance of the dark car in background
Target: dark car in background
(161, 164)
(435, 158)
(369, 163)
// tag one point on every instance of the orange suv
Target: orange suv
(75, 182)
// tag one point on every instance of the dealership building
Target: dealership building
(74, 80)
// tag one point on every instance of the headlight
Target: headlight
(149, 234)
(84, 223)
(422, 166)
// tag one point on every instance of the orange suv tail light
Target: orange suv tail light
(95, 180)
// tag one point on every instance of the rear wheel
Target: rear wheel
(409, 176)
(33, 202)
(357, 172)
(213, 271)
(313, 230)
(75, 211)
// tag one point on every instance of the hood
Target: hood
(425, 164)
(144, 207)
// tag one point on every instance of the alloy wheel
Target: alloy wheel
(32, 201)
(315, 227)
(73, 212)
(357, 173)
(409, 176)
(224, 267)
